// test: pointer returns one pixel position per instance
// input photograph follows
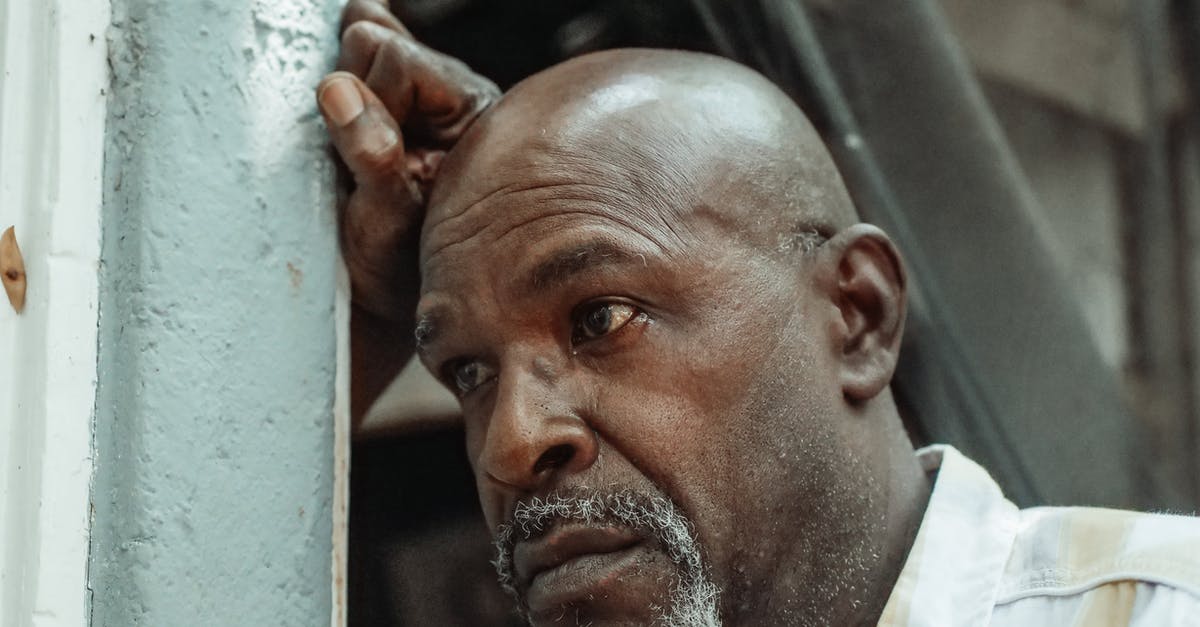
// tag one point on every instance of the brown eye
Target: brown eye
(468, 375)
(601, 319)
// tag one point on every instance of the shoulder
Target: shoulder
(1086, 563)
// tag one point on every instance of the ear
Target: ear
(867, 285)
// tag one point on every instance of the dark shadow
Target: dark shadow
(418, 546)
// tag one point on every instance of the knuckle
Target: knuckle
(359, 36)
(397, 50)
(480, 98)
(477, 91)
(372, 12)
(357, 10)
(372, 164)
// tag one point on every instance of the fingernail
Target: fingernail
(341, 101)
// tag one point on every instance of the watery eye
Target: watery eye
(468, 375)
(601, 319)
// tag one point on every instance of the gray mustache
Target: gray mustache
(651, 515)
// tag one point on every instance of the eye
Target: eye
(599, 319)
(467, 374)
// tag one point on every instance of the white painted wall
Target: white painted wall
(52, 112)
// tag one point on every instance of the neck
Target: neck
(908, 492)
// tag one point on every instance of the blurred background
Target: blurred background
(1036, 161)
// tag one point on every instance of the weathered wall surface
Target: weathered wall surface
(214, 433)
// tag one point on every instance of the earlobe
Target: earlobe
(869, 291)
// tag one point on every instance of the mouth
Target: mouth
(573, 561)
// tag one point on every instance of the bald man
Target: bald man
(642, 276)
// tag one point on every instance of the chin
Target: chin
(641, 588)
(632, 586)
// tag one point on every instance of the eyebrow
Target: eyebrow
(560, 267)
(557, 269)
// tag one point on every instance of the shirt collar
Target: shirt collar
(952, 573)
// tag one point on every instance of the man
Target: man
(672, 342)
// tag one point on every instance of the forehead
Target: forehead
(529, 185)
(534, 205)
(503, 231)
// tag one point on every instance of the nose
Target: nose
(533, 441)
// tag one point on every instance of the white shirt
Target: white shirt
(978, 560)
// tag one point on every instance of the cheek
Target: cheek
(719, 421)
(689, 412)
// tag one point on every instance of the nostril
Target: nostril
(555, 457)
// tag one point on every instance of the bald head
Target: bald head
(673, 132)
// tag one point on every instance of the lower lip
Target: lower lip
(579, 578)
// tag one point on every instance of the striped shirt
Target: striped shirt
(978, 560)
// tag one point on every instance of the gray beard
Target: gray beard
(694, 598)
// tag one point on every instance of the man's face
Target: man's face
(609, 345)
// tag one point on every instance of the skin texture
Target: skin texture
(743, 366)
(641, 272)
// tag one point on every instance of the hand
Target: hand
(393, 110)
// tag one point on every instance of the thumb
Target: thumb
(365, 135)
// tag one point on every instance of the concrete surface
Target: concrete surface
(214, 419)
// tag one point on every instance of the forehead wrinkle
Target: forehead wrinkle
(641, 223)
(510, 187)
(444, 222)
(625, 225)
(602, 194)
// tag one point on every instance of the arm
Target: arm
(393, 109)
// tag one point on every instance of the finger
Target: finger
(431, 94)
(364, 134)
(375, 11)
